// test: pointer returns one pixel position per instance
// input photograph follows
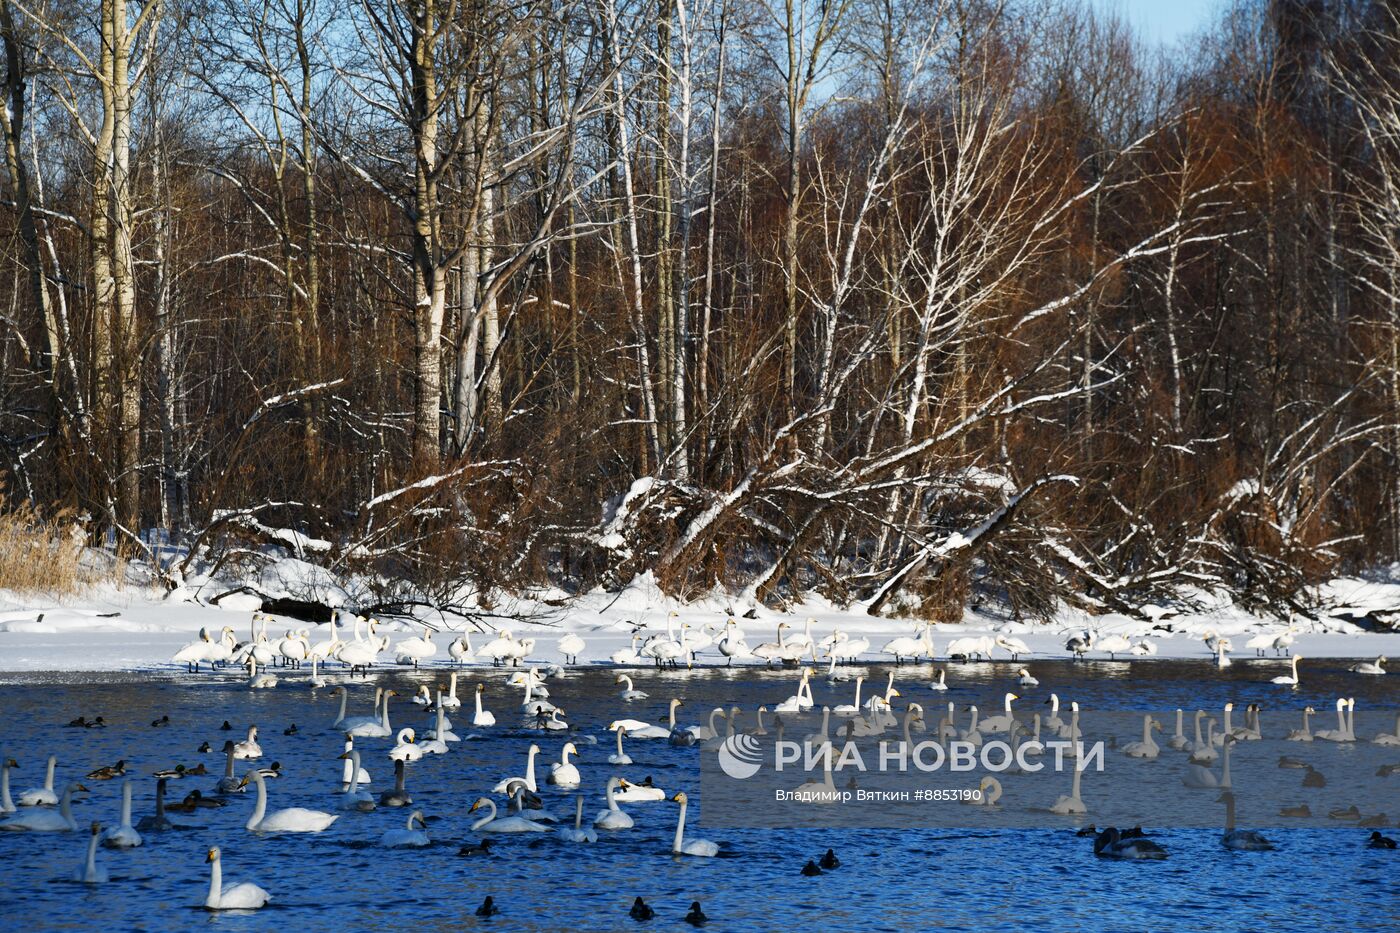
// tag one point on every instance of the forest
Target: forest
(915, 304)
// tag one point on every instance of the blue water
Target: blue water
(1318, 878)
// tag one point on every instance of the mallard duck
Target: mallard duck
(109, 772)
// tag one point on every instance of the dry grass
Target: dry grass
(38, 554)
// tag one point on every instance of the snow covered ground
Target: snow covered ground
(139, 628)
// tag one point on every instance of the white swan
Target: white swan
(1340, 734)
(571, 646)
(248, 749)
(350, 774)
(1146, 748)
(405, 748)
(46, 821)
(1389, 738)
(1072, 804)
(988, 793)
(680, 845)
(630, 692)
(1202, 778)
(1178, 740)
(244, 896)
(482, 717)
(1245, 840)
(290, 820)
(780, 650)
(1222, 660)
(637, 729)
(7, 804)
(732, 644)
(42, 796)
(503, 786)
(461, 650)
(353, 798)
(1016, 646)
(1289, 680)
(941, 684)
(439, 735)
(408, 837)
(802, 699)
(1114, 645)
(613, 817)
(619, 757)
(628, 657)
(1374, 668)
(258, 681)
(1025, 679)
(90, 872)
(341, 722)
(577, 832)
(638, 793)
(909, 646)
(124, 836)
(1005, 721)
(416, 650)
(372, 727)
(563, 772)
(1304, 734)
(1053, 722)
(490, 823)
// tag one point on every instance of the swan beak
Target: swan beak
(209, 856)
(474, 806)
(244, 783)
(340, 757)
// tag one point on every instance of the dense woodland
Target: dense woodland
(921, 303)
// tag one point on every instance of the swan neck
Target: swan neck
(126, 804)
(489, 817)
(48, 774)
(260, 807)
(91, 868)
(65, 806)
(216, 884)
(680, 830)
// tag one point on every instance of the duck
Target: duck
(613, 817)
(475, 848)
(242, 896)
(564, 773)
(195, 800)
(488, 908)
(36, 820)
(290, 820)
(578, 833)
(1286, 761)
(1314, 778)
(702, 848)
(1377, 841)
(829, 861)
(1242, 840)
(490, 823)
(89, 872)
(1344, 813)
(695, 916)
(408, 837)
(161, 723)
(42, 796)
(406, 749)
(810, 870)
(1302, 810)
(109, 772)
(640, 910)
(1111, 843)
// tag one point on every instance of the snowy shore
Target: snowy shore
(137, 628)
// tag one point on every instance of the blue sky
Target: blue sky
(1164, 21)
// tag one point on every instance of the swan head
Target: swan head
(406, 736)
(11, 763)
(212, 855)
(679, 797)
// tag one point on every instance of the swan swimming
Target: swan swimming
(290, 820)
(42, 796)
(90, 872)
(577, 832)
(491, 823)
(1245, 840)
(46, 821)
(408, 837)
(123, 836)
(702, 848)
(613, 817)
(244, 896)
